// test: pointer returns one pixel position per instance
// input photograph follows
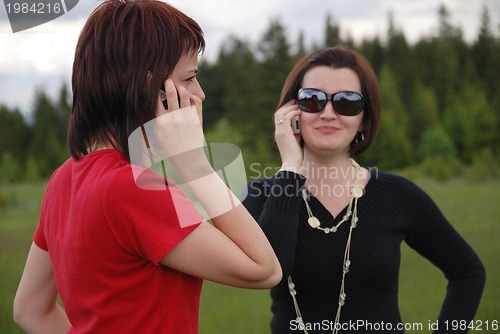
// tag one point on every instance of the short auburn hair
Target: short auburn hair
(341, 57)
(125, 52)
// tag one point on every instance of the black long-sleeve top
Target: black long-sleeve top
(392, 210)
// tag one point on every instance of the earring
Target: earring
(357, 139)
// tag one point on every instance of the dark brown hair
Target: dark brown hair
(125, 52)
(341, 57)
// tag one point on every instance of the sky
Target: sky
(41, 57)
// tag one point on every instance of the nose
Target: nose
(198, 91)
(329, 111)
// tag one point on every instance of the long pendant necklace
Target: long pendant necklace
(352, 212)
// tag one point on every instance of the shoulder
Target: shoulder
(392, 181)
(400, 188)
(106, 179)
(63, 172)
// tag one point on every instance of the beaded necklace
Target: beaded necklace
(352, 212)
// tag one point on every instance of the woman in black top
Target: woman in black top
(337, 227)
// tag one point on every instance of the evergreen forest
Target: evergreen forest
(440, 102)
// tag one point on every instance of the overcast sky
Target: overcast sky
(42, 57)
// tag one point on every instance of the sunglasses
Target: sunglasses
(345, 103)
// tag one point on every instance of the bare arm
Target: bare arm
(210, 254)
(233, 250)
(35, 306)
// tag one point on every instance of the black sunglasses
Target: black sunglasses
(345, 103)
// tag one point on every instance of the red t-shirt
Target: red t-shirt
(105, 237)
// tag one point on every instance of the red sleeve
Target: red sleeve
(149, 223)
(39, 237)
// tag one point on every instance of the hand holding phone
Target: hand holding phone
(164, 97)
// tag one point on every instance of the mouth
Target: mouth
(327, 129)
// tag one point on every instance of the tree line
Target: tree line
(440, 101)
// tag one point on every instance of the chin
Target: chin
(328, 150)
(328, 145)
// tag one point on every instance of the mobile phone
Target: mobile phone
(164, 101)
(296, 124)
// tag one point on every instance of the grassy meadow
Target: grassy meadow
(472, 208)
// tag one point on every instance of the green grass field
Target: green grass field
(472, 208)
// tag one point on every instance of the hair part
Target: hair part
(125, 52)
(341, 57)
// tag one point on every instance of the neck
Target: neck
(333, 169)
(103, 145)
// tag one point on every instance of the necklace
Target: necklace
(352, 212)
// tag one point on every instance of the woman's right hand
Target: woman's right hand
(287, 141)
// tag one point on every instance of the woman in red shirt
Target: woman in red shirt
(125, 248)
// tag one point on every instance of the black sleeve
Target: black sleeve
(274, 203)
(431, 235)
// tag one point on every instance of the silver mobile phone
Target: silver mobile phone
(296, 124)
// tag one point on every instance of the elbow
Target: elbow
(255, 277)
(20, 321)
(269, 279)
(17, 312)
(477, 274)
(19, 316)
(23, 314)
(274, 278)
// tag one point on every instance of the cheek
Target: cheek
(305, 120)
(306, 126)
(352, 123)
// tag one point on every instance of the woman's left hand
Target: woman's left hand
(179, 129)
(287, 141)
